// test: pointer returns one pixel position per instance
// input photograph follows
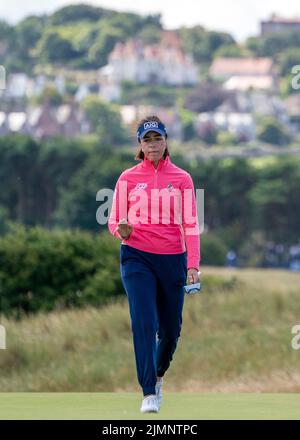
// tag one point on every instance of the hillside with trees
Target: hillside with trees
(82, 36)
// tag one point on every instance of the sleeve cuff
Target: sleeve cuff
(193, 264)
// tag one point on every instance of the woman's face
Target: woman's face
(153, 145)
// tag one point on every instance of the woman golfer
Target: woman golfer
(154, 213)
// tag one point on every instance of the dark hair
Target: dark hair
(140, 154)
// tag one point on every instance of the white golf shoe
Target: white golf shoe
(158, 391)
(150, 404)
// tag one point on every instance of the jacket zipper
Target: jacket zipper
(155, 178)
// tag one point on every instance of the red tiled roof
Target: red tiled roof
(170, 38)
(276, 19)
(134, 48)
(241, 66)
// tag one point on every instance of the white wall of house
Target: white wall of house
(169, 67)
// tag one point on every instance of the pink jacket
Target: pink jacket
(150, 199)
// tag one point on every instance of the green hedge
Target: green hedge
(42, 270)
(46, 270)
(213, 250)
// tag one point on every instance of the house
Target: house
(69, 119)
(242, 125)
(110, 83)
(47, 121)
(253, 101)
(224, 68)
(245, 73)
(137, 62)
(36, 86)
(43, 122)
(16, 85)
(4, 127)
(82, 92)
(249, 83)
(292, 106)
(170, 38)
(279, 24)
(256, 102)
(17, 123)
(60, 84)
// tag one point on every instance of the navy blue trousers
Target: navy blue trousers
(154, 288)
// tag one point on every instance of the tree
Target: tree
(149, 34)
(277, 202)
(188, 124)
(72, 13)
(54, 48)
(274, 44)
(131, 24)
(271, 131)
(213, 250)
(78, 205)
(231, 50)
(51, 95)
(202, 44)
(107, 37)
(7, 38)
(288, 59)
(227, 184)
(19, 159)
(105, 120)
(226, 138)
(28, 33)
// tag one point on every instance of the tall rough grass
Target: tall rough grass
(236, 336)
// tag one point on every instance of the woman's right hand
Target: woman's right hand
(124, 229)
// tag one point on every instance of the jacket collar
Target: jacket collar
(147, 164)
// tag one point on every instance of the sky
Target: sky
(239, 17)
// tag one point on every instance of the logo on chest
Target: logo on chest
(170, 188)
(140, 186)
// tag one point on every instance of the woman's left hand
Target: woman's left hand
(193, 276)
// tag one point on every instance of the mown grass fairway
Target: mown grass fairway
(176, 406)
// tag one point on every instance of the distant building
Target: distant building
(249, 82)
(43, 122)
(245, 73)
(110, 83)
(278, 24)
(69, 118)
(36, 85)
(46, 121)
(242, 125)
(4, 127)
(16, 86)
(82, 92)
(17, 123)
(224, 67)
(147, 64)
(254, 101)
(60, 84)
(292, 106)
